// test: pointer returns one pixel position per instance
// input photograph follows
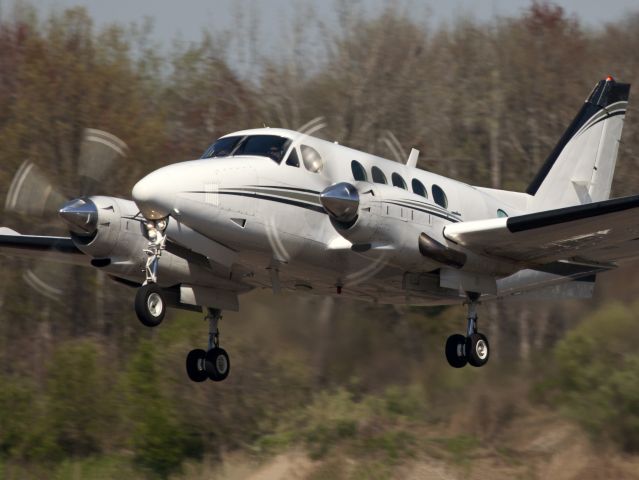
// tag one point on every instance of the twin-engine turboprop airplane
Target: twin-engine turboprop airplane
(280, 209)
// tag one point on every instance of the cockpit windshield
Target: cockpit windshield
(222, 147)
(271, 146)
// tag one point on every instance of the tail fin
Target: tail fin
(580, 168)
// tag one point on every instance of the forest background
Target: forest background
(320, 388)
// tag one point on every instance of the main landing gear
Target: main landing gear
(472, 348)
(214, 363)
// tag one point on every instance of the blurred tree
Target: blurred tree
(596, 376)
(159, 441)
(81, 411)
(205, 100)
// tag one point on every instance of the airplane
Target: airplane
(284, 210)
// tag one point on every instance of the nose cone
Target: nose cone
(341, 201)
(80, 215)
(153, 194)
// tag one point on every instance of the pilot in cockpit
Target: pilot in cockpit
(276, 152)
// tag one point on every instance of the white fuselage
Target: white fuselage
(269, 214)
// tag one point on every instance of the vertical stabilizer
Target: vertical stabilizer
(581, 166)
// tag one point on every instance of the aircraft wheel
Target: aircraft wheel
(456, 351)
(196, 365)
(477, 349)
(150, 305)
(217, 364)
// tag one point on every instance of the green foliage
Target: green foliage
(17, 412)
(460, 447)
(596, 378)
(87, 393)
(159, 441)
(80, 398)
(96, 468)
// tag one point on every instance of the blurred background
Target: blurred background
(321, 388)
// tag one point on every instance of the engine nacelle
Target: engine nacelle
(381, 227)
(119, 230)
(384, 224)
(112, 232)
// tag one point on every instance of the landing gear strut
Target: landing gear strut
(473, 348)
(150, 305)
(213, 363)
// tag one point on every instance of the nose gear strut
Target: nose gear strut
(150, 305)
(157, 243)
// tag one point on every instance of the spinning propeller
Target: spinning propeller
(32, 194)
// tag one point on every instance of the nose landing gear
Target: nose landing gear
(150, 305)
(214, 363)
(473, 348)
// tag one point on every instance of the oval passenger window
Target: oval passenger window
(439, 196)
(398, 181)
(419, 188)
(378, 175)
(358, 171)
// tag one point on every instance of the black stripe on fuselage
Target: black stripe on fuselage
(293, 189)
(436, 208)
(287, 201)
(432, 212)
(317, 208)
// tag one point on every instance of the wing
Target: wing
(56, 249)
(600, 233)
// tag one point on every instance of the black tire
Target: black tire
(150, 305)
(217, 364)
(456, 351)
(195, 365)
(478, 349)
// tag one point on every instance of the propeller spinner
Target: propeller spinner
(341, 201)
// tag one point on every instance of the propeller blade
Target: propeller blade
(32, 193)
(45, 282)
(99, 151)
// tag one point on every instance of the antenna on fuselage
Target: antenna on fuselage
(412, 158)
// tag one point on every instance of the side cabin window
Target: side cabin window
(359, 173)
(439, 196)
(419, 188)
(378, 175)
(271, 146)
(398, 181)
(293, 160)
(312, 159)
(501, 213)
(222, 147)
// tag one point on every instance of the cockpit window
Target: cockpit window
(270, 146)
(222, 147)
(312, 159)
(293, 160)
